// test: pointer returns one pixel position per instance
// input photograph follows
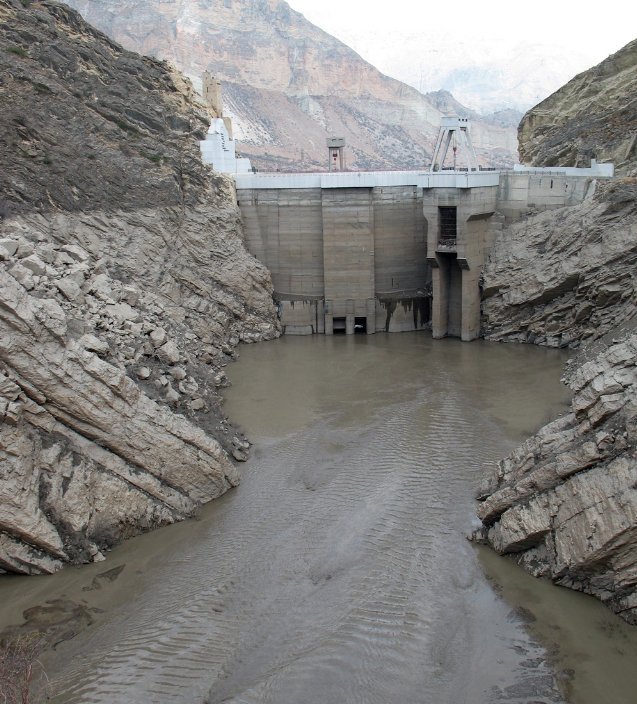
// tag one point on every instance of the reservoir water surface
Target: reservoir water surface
(339, 571)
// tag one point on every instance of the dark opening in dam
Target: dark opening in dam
(340, 326)
(448, 225)
(360, 326)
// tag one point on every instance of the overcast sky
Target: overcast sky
(589, 30)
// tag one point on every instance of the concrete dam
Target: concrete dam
(363, 252)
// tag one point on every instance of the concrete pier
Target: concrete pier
(457, 257)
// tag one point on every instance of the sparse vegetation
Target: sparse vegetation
(17, 50)
(18, 666)
(125, 127)
(155, 158)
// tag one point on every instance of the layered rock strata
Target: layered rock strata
(592, 116)
(124, 288)
(564, 504)
(567, 276)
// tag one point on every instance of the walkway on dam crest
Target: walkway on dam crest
(368, 179)
(390, 250)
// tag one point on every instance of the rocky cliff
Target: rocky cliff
(124, 288)
(564, 504)
(592, 116)
(288, 85)
(567, 276)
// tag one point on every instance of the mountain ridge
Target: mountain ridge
(593, 116)
(288, 84)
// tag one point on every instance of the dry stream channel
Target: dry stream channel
(339, 571)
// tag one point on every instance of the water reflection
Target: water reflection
(339, 570)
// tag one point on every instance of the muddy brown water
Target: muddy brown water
(339, 572)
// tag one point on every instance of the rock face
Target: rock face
(124, 288)
(87, 125)
(564, 504)
(288, 85)
(592, 116)
(565, 276)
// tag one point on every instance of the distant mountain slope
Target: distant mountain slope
(593, 115)
(288, 84)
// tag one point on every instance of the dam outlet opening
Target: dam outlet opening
(367, 252)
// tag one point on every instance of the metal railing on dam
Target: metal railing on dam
(367, 179)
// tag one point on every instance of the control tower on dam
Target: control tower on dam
(362, 252)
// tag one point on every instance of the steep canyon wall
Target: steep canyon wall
(564, 505)
(592, 116)
(288, 84)
(124, 288)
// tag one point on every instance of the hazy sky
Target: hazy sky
(589, 30)
(603, 26)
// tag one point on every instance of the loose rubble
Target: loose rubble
(125, 288)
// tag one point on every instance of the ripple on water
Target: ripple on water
(339, 570)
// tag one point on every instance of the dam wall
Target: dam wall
(362, 252)
(342, 259)
(540, 189)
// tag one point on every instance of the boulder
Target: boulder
(69, 289)
(168, 353)
(158, 337)
(34, 264)
(122, 312)
(8, 248)
(94, 344)
(75, 252)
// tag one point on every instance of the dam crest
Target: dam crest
(390, 251)
(363, 252)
